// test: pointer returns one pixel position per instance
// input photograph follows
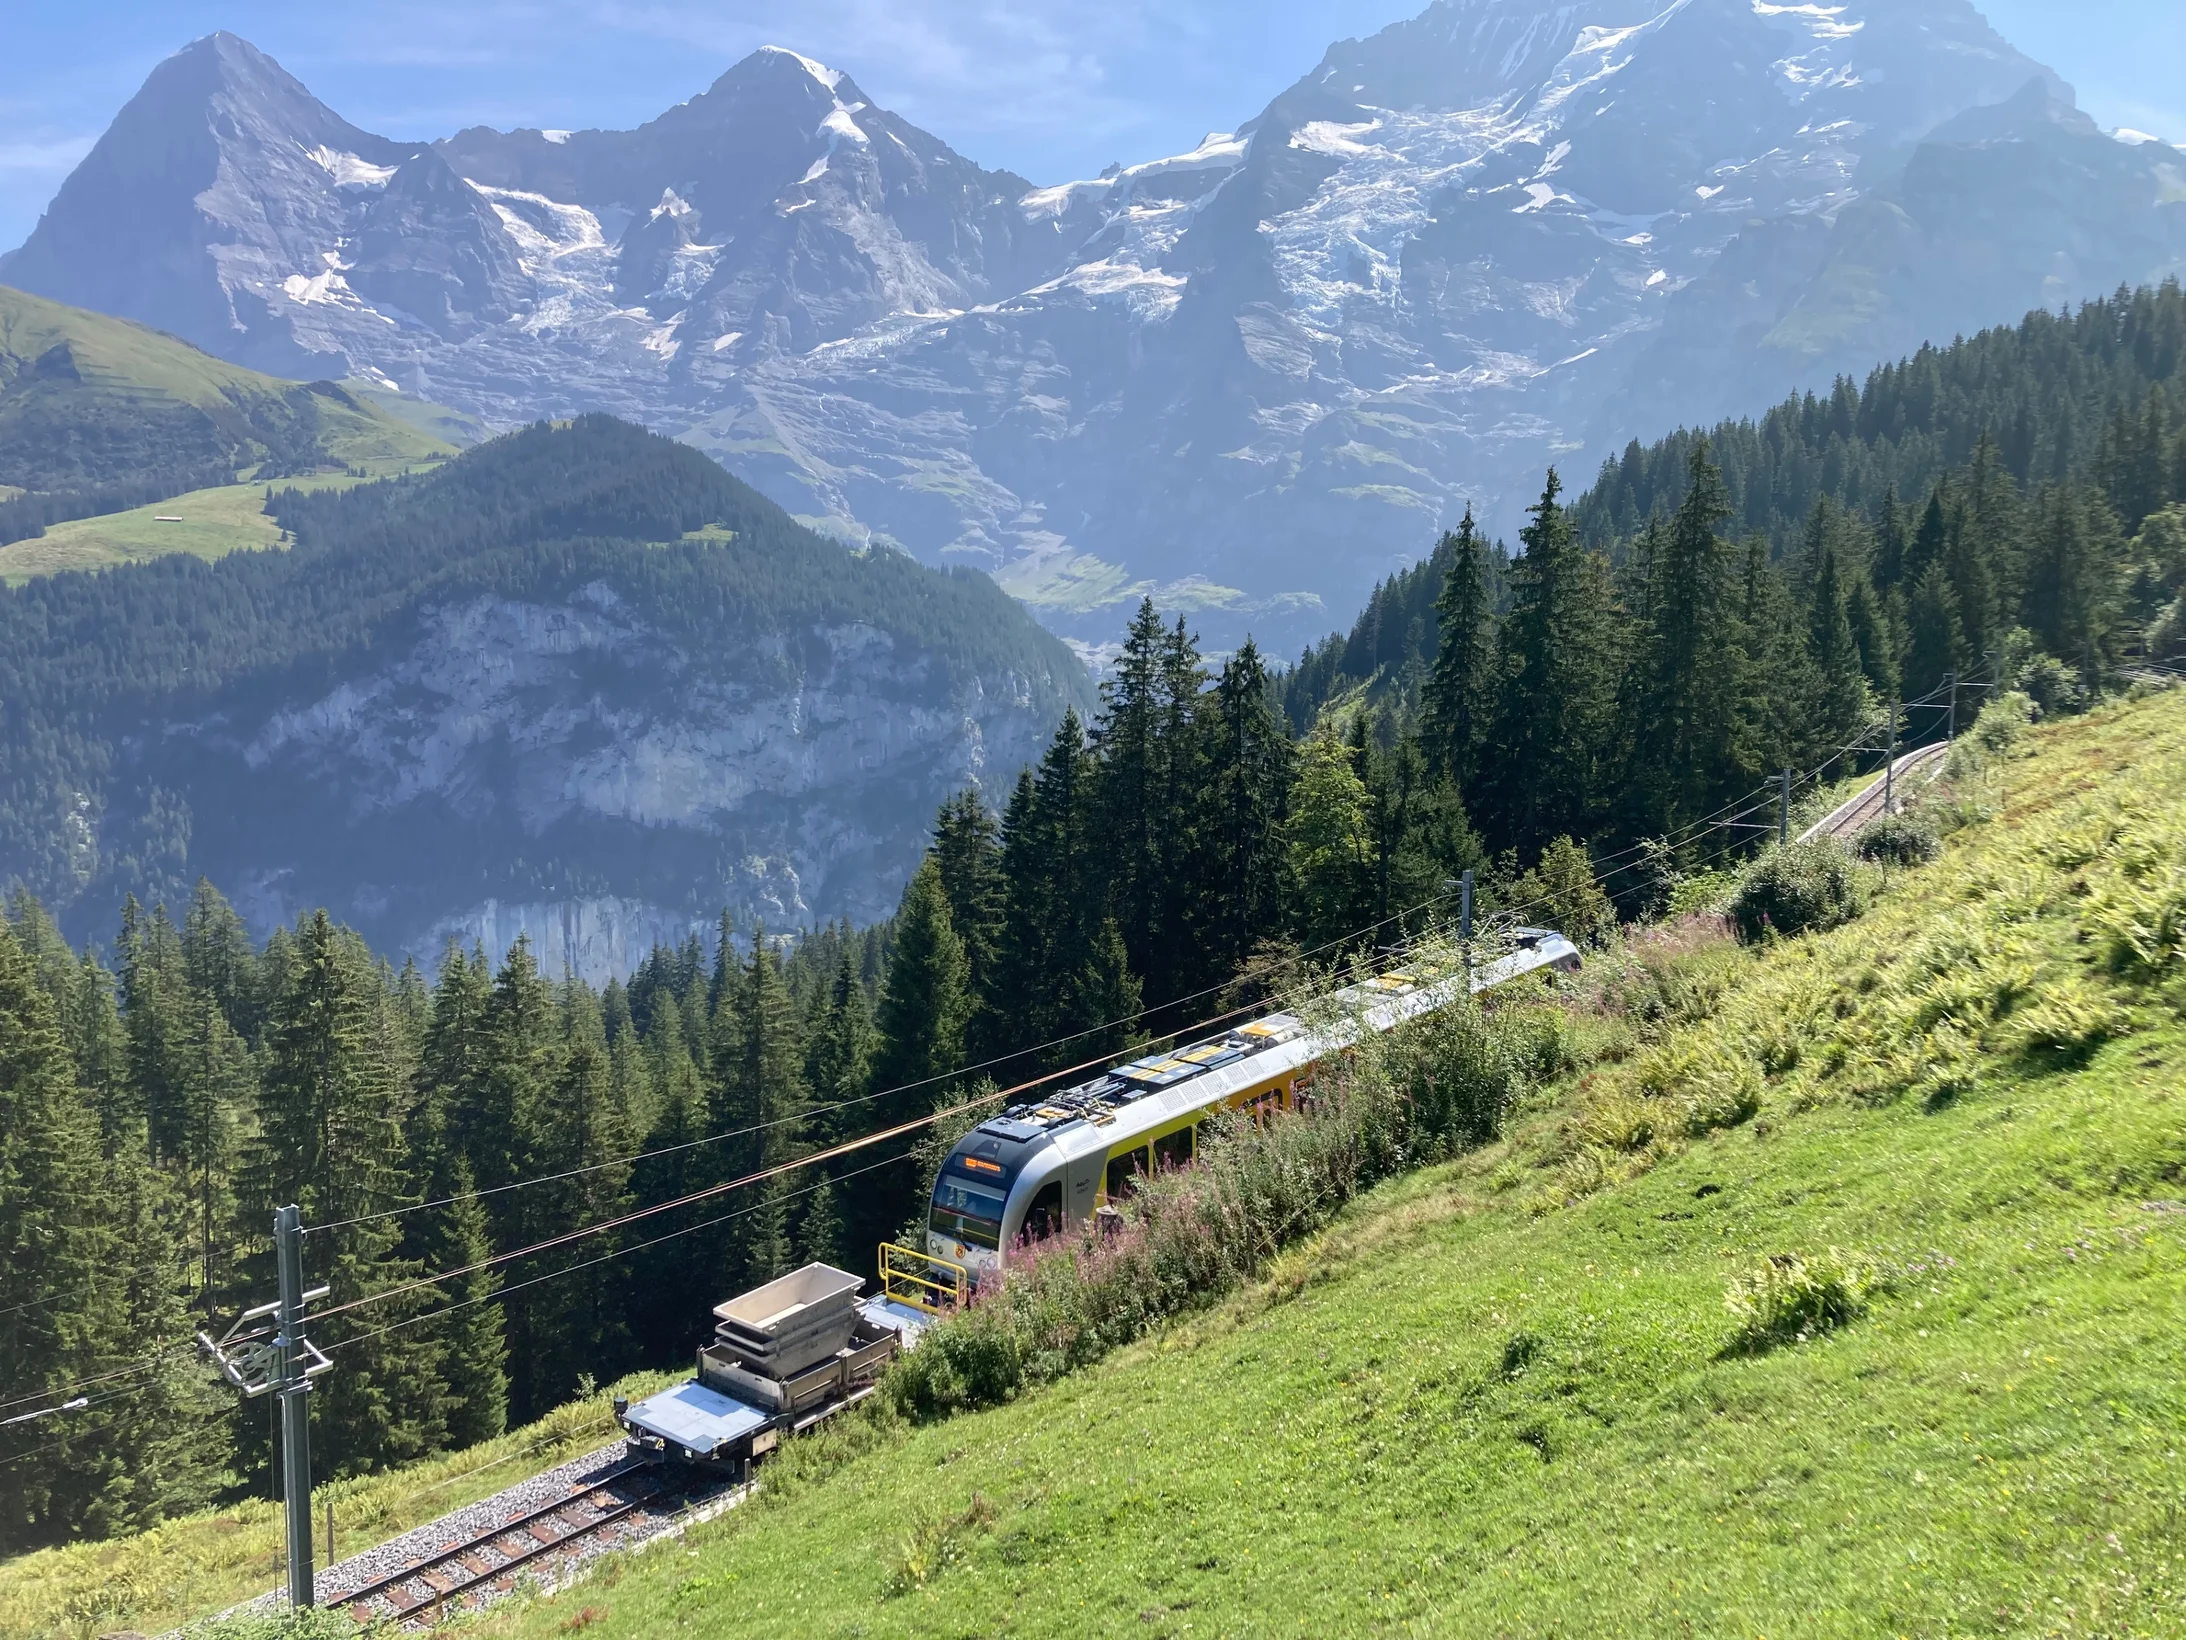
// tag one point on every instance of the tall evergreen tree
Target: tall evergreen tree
(215, 1088)
(1687, 726)
(155, 1008)
(968, 851)
(1556, 714)
(329, 1140)
(1053, 897)
(1237, 880)
(573, 1325)
(1330, 851)
(1840, 704)
(664, 1323)
(217, 959)
(1460, 694)
(763, 1092)
(839, 1052)
(493, 1113)
(91, 1263)
(919, 1047)
(452, 1231)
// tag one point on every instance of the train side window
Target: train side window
(1173, 1150)
(1044, 1217)
(1124, 1172)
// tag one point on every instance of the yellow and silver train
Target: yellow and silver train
(1053, 1162)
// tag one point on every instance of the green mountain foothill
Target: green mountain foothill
(580, 663)
(100, 415)
(1828, 1287)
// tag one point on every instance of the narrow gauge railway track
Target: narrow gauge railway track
(441, 1582)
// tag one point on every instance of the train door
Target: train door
(1044, 1217)
(1082, 1187)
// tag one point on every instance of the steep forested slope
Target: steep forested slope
(579, 663)
(2086, 397)
(2023, 465)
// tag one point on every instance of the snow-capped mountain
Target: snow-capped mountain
(1254, 377)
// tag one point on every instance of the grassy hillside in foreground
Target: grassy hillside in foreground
(205, 524)
(199, 1564)
(1503, 1397)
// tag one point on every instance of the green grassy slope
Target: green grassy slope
(1501, 1397)
(200, 1564)
(86, 400)
(205, 524)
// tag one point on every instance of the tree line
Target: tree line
(155, 1112)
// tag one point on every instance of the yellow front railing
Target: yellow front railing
(921, 1280)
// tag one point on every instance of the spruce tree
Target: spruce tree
(1106, 997)
(1877, 634)
(216, 1086)
(676, 1163)
(762, 1093)
(2073, 582)
(839, 1052)
(1687, 734)
(450, 1232)
(1460, 693)
(217, 959)
(1239, 860)
(1053, 898)
(493, 1113)
(1130, 782)
(572, 1325)
(1840, 705)
(918, 1049)
(55, 1244)
(155, 1006)
(968, 850)
(821, 1237)
(1556, 717)
(329, 1140)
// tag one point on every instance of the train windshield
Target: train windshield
(972, 1213)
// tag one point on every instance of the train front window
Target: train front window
(971, 1213)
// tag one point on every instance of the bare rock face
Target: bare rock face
(577, 735)
(1251, 379)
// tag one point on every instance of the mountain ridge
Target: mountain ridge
(1250, 380)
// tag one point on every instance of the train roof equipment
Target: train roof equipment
(1387, 1000)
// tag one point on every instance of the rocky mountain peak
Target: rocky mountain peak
(1251, 379)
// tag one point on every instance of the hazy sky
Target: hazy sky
(1053, 89)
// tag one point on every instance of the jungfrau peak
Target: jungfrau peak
(1251, 378)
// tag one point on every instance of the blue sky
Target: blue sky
(1053, 89)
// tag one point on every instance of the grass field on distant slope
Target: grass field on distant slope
(87, 399)
(212, 523)
(1502, 1398)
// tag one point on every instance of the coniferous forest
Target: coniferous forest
(2011, 510)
